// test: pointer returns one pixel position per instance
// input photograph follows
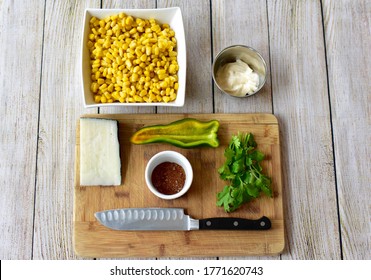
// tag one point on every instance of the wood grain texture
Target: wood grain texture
(94, 240)
(21, 35)
(61, 105)
(196, 20)
(348, 44)
(241, 22)
(301, 104)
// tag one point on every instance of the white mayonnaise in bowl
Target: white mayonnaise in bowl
(239, 71)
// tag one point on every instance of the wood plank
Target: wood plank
(138, 4)
(234, 24)
(94, 240)
(301, 104)
(196, 20)
(21, 34)
(348, 44)
(61, 105)
(240, 22)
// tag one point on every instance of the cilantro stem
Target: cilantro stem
(255, 171)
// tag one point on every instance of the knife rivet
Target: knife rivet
(235, 223)
(262, 223)
(208, 223)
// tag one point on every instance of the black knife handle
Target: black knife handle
(235, 223)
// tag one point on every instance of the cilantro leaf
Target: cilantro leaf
(228, 153)
(235, 143)
(257, 156)
(238, 166)
(244, 173)
(253, 191)
(249, 161)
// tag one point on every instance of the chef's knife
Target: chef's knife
(173, 219)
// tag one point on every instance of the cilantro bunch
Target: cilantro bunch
(243, 171)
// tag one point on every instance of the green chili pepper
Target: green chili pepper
(184, 133)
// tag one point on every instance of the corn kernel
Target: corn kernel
(97, 98)
(103, 87)
(129, 20)
(172, 96)
(143, 57)
(107, 95)
(138, 98)
(128, 64)
(94, 87)
(110, 88)
(172, 69)
(143, 92)
(136, 69)
(163, 84)
(162, 76)
(134, 77)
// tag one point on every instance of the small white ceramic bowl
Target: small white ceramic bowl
(171, 16)
(169, 156)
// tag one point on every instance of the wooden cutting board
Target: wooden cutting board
(91, 239)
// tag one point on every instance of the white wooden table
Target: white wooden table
(318, 86)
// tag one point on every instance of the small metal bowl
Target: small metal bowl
(246, 54)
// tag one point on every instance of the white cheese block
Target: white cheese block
(99, 152)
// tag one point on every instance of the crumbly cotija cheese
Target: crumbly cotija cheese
(237, 78)
(99, 152)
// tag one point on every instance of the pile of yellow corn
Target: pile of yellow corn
(132, 60)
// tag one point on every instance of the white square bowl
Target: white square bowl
(171, 16)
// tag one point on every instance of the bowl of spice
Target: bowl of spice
(239, 71)
(168, 175)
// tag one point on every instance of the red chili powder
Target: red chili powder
(168, 178)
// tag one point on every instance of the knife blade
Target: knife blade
(173, 219)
